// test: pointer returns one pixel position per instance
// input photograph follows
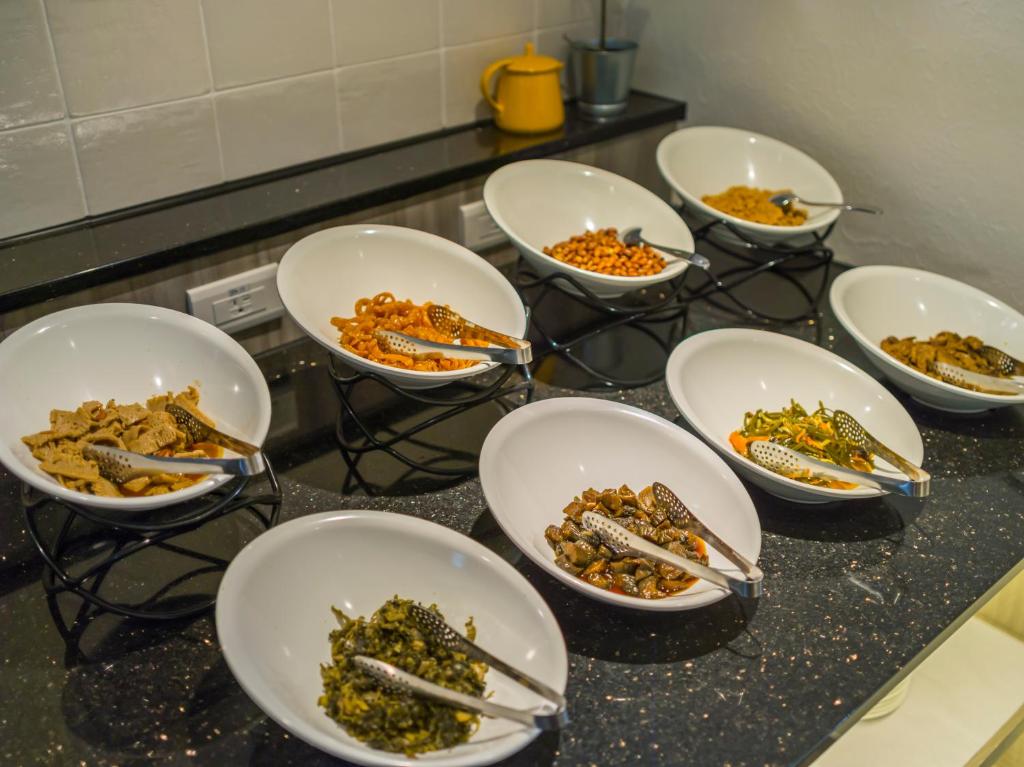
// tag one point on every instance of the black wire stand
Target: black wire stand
(652, 309)
(356, 436)
(90, 543)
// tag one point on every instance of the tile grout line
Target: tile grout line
(66, 120)
(335, 94)
(212, 91)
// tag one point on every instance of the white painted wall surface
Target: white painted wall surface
(913, 105)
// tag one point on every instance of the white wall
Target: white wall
(914, 105)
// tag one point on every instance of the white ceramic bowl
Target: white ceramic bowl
(874, 302)
(323, 275)
(274, 617)
(709, 159)
(538, 203)
(717, 376)
(126, 352)
(538, 457)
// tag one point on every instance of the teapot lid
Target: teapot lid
(533, 63)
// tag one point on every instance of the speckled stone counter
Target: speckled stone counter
(855, 595)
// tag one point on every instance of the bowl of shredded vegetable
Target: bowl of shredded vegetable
(904, 318)
(728, 174)
(298, 604)
(768, 386)
(342, 284)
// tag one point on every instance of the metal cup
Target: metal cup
(601, 76)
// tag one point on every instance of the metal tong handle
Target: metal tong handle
(396, 678)
(679, 513)
(439, 630)
(400, 343)
(612, 531)
(201, 432)
(768, 454)
(136, 465)
(632, 236)
(848, 426)
(990, 384)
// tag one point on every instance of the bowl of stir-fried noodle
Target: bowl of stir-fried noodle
(101, 374)
(895, 313)
(738, 385)
(342, 284)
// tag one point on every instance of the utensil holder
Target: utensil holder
(602, 77)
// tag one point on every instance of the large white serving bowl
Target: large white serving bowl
(717, 376)
(874, 302)
(274, 617)
(125, 352)
(539, 203)
(709, 159)
(540, 456)
(323, 275)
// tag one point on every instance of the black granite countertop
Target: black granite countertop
(856, 594)
(41, 265)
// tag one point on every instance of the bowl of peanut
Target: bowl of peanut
(567, 218)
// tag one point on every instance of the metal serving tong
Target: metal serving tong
(624, 543)
(440, 632)
(120, 466)
(782, 460)
(1003, 362)
(397, 679)
(197, 431)
(394, 342)
(683, 518)
(849, 428)
(454, 324)
(988, 384)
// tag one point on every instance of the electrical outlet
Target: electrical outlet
(477, 230)
(239, 301)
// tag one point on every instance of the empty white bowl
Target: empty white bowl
(715, 377)
(323, 275)
(539, 203)
(709, 159)
(874, 302)
(274, 617)
(540, 456)
(125, 352)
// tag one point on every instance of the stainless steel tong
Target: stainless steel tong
(395, 678)
(849, 428)
(120, 466)
(435, 628)
(399, 343)
(958, 376)
(1003, 362)
(782, 460)
(624, 543)
(685, 519)
(197, 431)
(452, 323)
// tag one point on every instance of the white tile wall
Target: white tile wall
(160, 97)
(262, 40)
(114, 54)
(383, 28)
(29, 90)
(412, 104)
(38, 179)
(275, 124)
(145, 154)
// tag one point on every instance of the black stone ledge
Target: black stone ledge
(53, 262)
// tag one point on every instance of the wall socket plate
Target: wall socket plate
(239, 301)
(477, 230)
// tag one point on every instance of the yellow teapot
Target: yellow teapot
(528, 98)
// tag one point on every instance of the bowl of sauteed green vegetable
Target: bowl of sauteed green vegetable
(737, 386)
(548, 464)
(303, 605)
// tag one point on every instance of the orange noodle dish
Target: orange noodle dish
(385, 312)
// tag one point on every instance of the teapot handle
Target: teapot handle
(485, 83)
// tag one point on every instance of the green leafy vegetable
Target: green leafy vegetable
(393, 720)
